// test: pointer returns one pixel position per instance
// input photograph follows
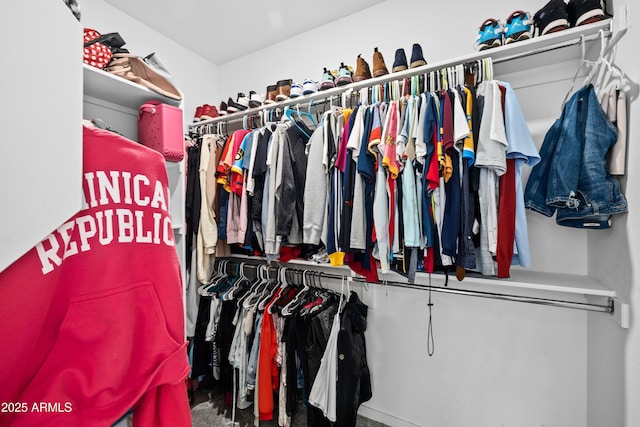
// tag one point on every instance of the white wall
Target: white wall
(496, 363)
(196, 77)
(615, 260)
(29, 82)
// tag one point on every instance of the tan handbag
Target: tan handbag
(134, 68)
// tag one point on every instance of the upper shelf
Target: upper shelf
(108, 87)
(535, 46)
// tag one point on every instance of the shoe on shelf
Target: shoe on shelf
(272, 91)
(400, 61)
(234, 107)
(328, 80)
(489, 34)
(255, 99)
(345, 75)
(284, 89)
(309, 87)
(582, 12)
(243, 100)
(209, 112)
(417, 58)
(296, 90)
(197, 116)
(379, 68)
(363, 72)
(223, 109)
(551, 18)
(518, 26)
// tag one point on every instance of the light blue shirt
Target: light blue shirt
(521, 148)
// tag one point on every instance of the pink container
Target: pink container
(160, 128)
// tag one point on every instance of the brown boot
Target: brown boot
(284, 89)
(379, 68)
(272, 91)
(362, 70)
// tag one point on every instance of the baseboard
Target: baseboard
(383, 417)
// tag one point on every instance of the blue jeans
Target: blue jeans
(571, 178)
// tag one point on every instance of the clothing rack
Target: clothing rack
(602, 308)
(537, 45)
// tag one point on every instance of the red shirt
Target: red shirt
(91, 319)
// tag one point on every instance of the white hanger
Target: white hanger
(287, 309)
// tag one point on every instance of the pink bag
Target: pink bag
(160, 128)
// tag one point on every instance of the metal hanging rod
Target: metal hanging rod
(537, 45)
(602, 308)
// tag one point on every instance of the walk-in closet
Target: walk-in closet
(369, 213)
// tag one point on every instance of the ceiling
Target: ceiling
(221, 31)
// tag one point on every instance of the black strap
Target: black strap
(430, 341)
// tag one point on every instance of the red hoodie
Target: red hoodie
(91, 319)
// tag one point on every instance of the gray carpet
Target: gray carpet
(210, 410)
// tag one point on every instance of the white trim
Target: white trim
(384, 418)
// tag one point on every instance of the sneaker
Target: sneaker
(489, 35)
(379, 67)
(345, 75)
(309, 87)
(362, 70)
(243, 100)
(551, 18)
(255, 99)
(223, 109)
(519, 26)
(582, 12)
(209, 112)
(400, 62)
(198, 115)
(272, 91)
(234, 107)
(296, 90)
(284, 89)
(417, 59)
(328, 81)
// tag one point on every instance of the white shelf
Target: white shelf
(521, 281)
(108, 87)
(547, 48)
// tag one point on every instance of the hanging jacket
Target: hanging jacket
(571, 177)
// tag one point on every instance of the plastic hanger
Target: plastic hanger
(257, 289)
(299, 118)
(287, 309)
(241, 280)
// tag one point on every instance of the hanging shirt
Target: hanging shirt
(274, 162)
(381, 218)
(315, 189)
(208, 229)
(523, 150)
(323, 392)
(376, 131)
(237, 170)
(468, 144)
(357, 239)
(389, 134)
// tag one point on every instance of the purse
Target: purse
(100, 48)
(135, 69)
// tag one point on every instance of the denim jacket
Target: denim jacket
(571, 178)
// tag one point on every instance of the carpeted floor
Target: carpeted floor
(209, 409)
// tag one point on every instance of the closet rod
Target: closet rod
(509, 52)
(601, 308)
